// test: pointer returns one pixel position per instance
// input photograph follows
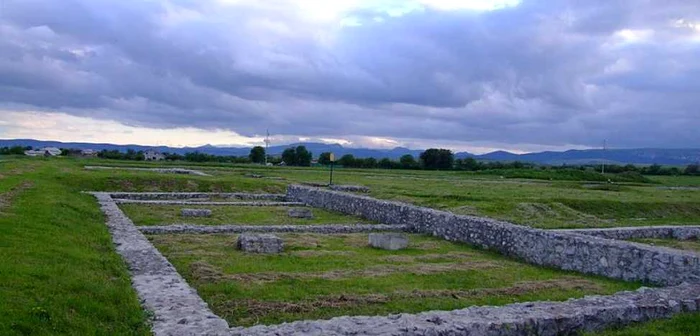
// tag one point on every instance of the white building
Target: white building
(46, 151)
(88, 152)
(153, 155)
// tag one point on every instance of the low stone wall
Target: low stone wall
(176, 307)
(196, 195)
(568, 251)
(178, 310)
(592, 313)
(324, 229)
(170, 202)
(662, 232)
(349, 188)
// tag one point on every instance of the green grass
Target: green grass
(238, 215)
(688, 245)
(542, 203)
(321, 276)
(679, 325)
(59, 273)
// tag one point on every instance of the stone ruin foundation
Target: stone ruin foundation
(388, 241)
(303, 213)
(195, 213)
(260, 243)
(179, 310)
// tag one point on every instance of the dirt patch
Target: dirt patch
(432, 257)
(520, 288)
(192, 185)
(316, 253)
(7, 197)
(374, 271)
(302, 241)
(257, 308)
(201, 271)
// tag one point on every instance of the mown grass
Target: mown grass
(688, 245)
(679, 325)
(234, 215)
(321, 276)
(58, 271)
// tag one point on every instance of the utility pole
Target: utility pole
(332, 159)
(605, 145)
(267, 144)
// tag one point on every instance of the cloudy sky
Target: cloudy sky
(469, 75)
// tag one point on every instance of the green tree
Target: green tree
(324, 158)
(435, 158)
(386, 163)
(369, 162)
(18, 150)
(348, 160)
(303, 156)
(289, 156)
(408, 162)
(693, 169)
(469, 164)
(257, 154)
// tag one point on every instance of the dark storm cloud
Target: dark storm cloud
(542, 72)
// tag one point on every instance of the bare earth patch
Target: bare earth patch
(7, 197)
(203, 271)
(260, 307)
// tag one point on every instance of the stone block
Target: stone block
(388, 241)
(304, 213)
(260, 243)
(195, 213)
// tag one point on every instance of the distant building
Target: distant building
(46, 151)
(88, 152)
(153, 155)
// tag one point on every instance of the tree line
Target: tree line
(430, 159)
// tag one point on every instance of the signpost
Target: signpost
(332, 159)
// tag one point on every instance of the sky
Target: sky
(470, 75)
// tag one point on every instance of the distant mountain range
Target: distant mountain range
(587, 156)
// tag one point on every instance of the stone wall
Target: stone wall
(176, 307)
(568, 251)
(592, 313)
(662, 232)
(195, 195)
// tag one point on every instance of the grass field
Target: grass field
(688, 245)
(59, 273)
(321, 276)
(538, 203)
(234, 215)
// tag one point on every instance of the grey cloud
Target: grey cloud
(539, 73)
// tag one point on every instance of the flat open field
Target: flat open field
(59, 273)
(322, 276)
(542, 203)
(233, 215)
